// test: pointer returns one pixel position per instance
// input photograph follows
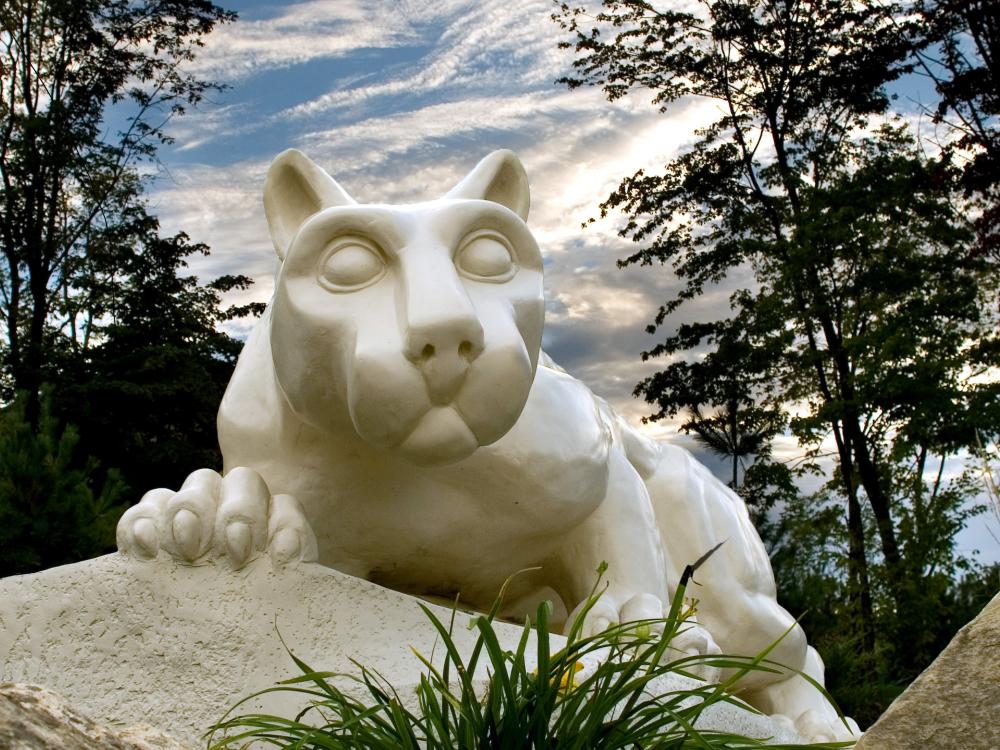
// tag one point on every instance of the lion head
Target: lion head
(416, 326)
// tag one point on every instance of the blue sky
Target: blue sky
(398, 99)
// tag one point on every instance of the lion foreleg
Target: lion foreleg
(622, 532)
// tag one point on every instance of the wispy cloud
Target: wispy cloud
(414, 53)
(299, 33)
(477, 46)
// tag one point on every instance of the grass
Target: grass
(554, 704)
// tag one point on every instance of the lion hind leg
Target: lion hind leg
(735, 588)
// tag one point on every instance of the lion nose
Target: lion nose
(443, 349)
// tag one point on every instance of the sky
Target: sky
(398, 100)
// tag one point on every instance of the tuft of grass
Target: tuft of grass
(558, 703)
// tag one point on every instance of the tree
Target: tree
(870, 319)
(143, 376)
(94, 307)
(740, 432)
(63, 64)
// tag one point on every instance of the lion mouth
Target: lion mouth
(441, 436)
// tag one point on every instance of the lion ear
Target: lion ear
(295, 189)
(499, 178)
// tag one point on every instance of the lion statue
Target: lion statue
(392, 416)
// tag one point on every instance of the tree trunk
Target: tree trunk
(859, 591)
(860, 596)
(868, 473)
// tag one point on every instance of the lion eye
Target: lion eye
(486, 256)
(351, 264)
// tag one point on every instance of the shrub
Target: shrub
(553, 705)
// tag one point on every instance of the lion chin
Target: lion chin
(420, 431)
(440, 437)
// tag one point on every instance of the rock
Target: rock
(955, 703)
(33, 718)
(176, 646)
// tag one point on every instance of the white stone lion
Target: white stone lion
(392, 416)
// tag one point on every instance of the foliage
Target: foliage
(50, 511)
(555, 704)
(67, 177)
(810, 564)
(956, 44)
(808, 546)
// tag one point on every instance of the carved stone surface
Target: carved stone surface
(955, 703)
(128, 642)
(33, 718)
(392, 416)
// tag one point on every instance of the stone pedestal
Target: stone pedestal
(174, 647)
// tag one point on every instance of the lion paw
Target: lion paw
(605, 613)
(821, 726)
(212, 516)
(693, 640)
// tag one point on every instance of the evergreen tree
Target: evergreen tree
(51, 511)
(143, 378)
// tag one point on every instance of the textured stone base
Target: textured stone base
(955, 703)
(129, 642)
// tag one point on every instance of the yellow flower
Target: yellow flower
(568, 679)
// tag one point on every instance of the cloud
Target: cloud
(221, 207)
(299, 33)
(395, 56)
(477, 46)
